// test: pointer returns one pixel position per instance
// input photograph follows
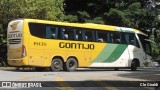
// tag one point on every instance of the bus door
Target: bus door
(146, 49)
(134, 48)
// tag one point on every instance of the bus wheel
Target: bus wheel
(40, 68)
(71, 64)
(134, 65)
(56, 64)
(116, 69)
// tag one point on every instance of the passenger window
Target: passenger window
(53, 34)
(123, 38)
(48, 31)
(68, 33)
(131, 39)
(101, 36)
(78, 34)
(88, 35)
(116, 37)
(58, 32)
(37, 30)
(64, 34)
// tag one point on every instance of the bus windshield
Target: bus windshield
(145, 43)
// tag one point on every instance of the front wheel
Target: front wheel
(71, 64)
(134, 66)
(56, 64)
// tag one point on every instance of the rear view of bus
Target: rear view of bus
(16, 49)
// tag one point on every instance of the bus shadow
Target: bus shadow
(99, 70)
(78, 70)
(151, 75)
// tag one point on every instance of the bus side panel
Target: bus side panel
(42, 51)
(85, 56)
(112, 55)
(36, 51)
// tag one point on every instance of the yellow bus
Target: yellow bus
(67, 46)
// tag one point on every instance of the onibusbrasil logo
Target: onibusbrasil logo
(20, 84)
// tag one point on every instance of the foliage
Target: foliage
(71, 18)
(37, 9)
(3, 47)
(156, 46)
(139, 14)
(115, 16)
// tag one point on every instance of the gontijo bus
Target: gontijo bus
(67, 46)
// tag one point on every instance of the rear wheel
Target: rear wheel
(134, 65)
(56, 64)
(71, 64)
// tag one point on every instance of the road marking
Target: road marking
(25, 77)
(107, 86)
(30, 77)
(62, 84)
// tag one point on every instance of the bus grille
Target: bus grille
(14, 41)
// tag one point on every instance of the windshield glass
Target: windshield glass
(145, 44)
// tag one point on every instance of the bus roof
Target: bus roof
(89, 25)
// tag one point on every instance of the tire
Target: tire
(40, 68)
(134, 65)
(116, 69)
(71, 65)
(56, 64)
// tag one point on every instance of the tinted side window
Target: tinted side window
(67, 33)
(101, 36)
(38, 30)
(54, 32)
(88, 35)
(116, 37)
(123, 38)
(78, 34)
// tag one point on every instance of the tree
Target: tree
(128, 13)
(139, 14)
(39, 9)
(3, 47)
(36, 9)
(116, 17)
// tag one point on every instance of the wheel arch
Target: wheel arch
(62, 59)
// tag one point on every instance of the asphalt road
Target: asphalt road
(100, 76)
